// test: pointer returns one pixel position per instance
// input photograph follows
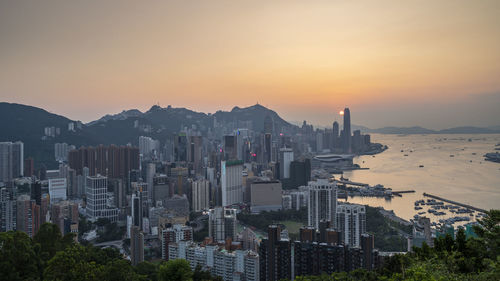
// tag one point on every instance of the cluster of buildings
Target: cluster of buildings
(152, 187)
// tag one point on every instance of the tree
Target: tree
(73, 264)
(488, 231)
(148, 270)
(175, 270)
(18, 260)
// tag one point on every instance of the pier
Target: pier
(352, 183)
(454, 202)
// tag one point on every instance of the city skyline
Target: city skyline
(394, 64)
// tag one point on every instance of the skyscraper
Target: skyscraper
(347, 131)
(231, 182)
(8, 209)
(322, 203)
(221, 223)
(286, 158)
(11, 161)
(200, 194)
(336, 135)
(351, 223)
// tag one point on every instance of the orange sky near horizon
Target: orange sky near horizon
(306, 60)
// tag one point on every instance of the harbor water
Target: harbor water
(449, 166)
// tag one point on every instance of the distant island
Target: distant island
(416, 130)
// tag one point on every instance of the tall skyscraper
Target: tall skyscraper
(136, 246)
(230, 148)
(231, 182)
(336, 136)
(286, 158)
(351, 223)
(322, 203)
(347, 130)
(268, 152)
(11, 161)
(200, 195)
(222, 223)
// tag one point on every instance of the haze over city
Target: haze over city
(394, 63)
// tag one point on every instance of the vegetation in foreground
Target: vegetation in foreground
(51, 256)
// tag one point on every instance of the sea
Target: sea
(453, 168)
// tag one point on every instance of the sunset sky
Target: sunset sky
(394, 63)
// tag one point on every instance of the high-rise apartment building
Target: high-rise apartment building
(149, 148)
(8, 206)
(351, 223)
(11, 161)
(322, 204)
(111, 161)
(221, 223)
(229, 265)
(136, 246)
(275, 256)
(231, 182)
(28, 215)
(174, 234)
(200, 195)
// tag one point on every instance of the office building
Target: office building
(231, 182)
(136, 246)
(347, 131)
(322, 203)
(351, 223)
(11, 161)
(200, 194)
(97, 187)
(57, 189)
(286, 158)
(265, 196)
(230, 148)
(161, 188)
(300, 173)
(221, 223)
